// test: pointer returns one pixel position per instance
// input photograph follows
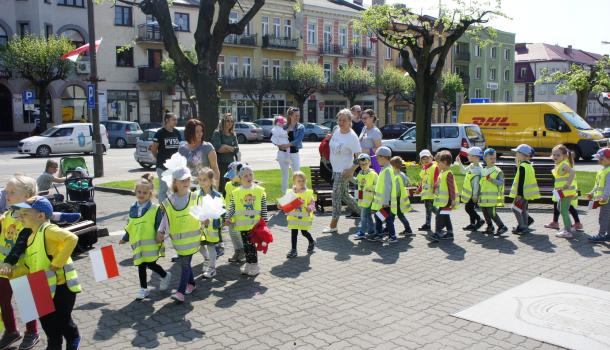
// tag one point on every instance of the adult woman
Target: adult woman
(296, 132)
(344, 148)
(224, 141)
(198, 153)
(166, 142)
(370, 136)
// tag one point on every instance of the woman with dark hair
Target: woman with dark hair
(199, 154)
(224, 141)
(165, 143)
(370, 137)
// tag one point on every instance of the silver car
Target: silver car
(248, 132)
(143, 154)
(122, 133)
(266, 124)
(315, 132)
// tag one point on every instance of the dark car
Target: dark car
(151, 125)
(122, 133)
(393, 131)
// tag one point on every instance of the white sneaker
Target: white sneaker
(142, 293)
(330, 230)
(254, 269)
(164, 284)
(564, 234)
(209, 273)
(245, 269)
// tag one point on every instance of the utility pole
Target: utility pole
(98, 151)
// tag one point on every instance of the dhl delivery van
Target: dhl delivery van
(541, 125)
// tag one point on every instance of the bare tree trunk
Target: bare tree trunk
(424, 99)
(42, 98)
(386, 106)
(193, 107)
(207, 99)
(582, 99)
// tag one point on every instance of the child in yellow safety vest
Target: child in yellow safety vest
(524, 189)
(384, 203)
(428, 175)
(247, 207)
(231, 185)
(301, 218)
(211, 229)
(141, 230)
(445, 197)
(600, 195)
(184, 229)
(400, 194)
(365, 180)
(471, 188)
(492, 193)
(564, 186)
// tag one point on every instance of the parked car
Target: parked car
(151, 125)
(64, 138)
(266, 124)
(451, 137)
(330, 124)
(247, 131)
(606, 132)
(122, 133)
(315, 132)
(393, 131)
(143, 154)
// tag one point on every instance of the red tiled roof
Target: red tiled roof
(545, 52)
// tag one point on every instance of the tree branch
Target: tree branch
(238, 28)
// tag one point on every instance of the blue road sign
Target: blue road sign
(91, 96)
(28, 97)
(480, 100)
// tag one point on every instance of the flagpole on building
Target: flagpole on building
(98, 152)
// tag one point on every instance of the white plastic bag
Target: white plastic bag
(208, 208)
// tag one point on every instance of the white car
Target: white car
(64, 138)
(451, 137)
(143, 155)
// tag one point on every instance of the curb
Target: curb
(120, 191)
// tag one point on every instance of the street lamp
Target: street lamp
(98, 160)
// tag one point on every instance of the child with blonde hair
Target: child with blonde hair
(428, 174)
(210, 229)
(492, 193)
(401, 194)
(565, 183)
(302, 217)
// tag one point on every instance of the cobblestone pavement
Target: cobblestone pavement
(353, 295)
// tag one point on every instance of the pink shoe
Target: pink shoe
(554, 225)
(577, 227)
(189, 289)
(179, 297)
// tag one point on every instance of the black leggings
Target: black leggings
(471, 211)
(491, 216)
(153, 266)
(59, 325)
(443, 221)
(572, 210)
(295, 234)
(249, 248)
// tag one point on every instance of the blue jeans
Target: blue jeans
(403, 219)
(366, 221)
(186, 272)
(389, 224)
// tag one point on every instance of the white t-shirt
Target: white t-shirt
(279, 136)
(342, 150)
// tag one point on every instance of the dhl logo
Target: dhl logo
(492, 121)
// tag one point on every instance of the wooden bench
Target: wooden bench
(321, 188)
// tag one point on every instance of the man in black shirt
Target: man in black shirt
(165, 143)
(357, 123)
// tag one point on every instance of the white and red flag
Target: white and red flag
(104, 263)
(73, 55)
(464, 152)
(558, 195)
(382, 214)
(289, 202)
(32, 296)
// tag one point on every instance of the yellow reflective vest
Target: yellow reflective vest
(600, 183)
(209, 234)
(400, 196)
(378, 198)
(491, 195)
(300, 219)
(441, 191)
(248, 206)
(229, 188)
(531, 190)
(467, 189)
(142, 235)
(8, 236)
(366, 188)
(427, 182)
(562, 179)
(184, 229)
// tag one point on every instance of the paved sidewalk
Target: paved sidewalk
(353, 295)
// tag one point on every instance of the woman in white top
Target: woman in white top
(296, 132)
(344, 148)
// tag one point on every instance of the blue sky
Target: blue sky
(580, 23)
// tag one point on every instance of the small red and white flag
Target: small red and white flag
(445, 211)
(32, 296)
(464, 152)
(73, 55)
(382, 214)
(518, 206)
(289, 202)
(104, 263)
(593, 205)
(558, 195)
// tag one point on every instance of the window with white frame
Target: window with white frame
(507, 96)
(246, 63)
(356, 38)
(276, 69)
(233, 66)
(233, 17)
(371, 68)
(287, 64)
(478, 72)
(492, 74)
(477, 50)
(265, 67)
(288, 29)
(522, 72)
(276, 27)
(388, 53)
(265, 25)
(507, 54)
(477, 93)
(343, 37)
(311, 33)
(494, 52)
(182, 21)
(507, 75)
(220, 66)
(328, 34)
(327, 73)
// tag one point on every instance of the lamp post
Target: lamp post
(98, 151)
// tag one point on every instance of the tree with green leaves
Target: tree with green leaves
(172, 77)
(303, 80)
(213, 26)
(580, 79)
(451, 84)
(352, 81)
(37, 60)
(256, 89)
(393, 83)
(424, 42)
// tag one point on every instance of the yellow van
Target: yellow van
(541, 125)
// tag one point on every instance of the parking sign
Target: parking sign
(91, 96)
(28, 97)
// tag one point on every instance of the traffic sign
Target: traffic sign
(480, 100)
(28, 97)
(91, 96)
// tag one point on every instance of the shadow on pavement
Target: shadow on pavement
(292, 268)
(502, 244)
(541, 243)
(582, 246)
(243, 288)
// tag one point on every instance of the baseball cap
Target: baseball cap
(525, 149)
(475, 151)
(38, 203)
(364, 156)
(384, 151)
(602, 153)
(181, 173)
(425, 153)
(233, 170)
(489, 151)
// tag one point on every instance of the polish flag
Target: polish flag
(104, 263)
(558, 195)
(445, 211)
(382, 214)
(289, 202)
(464, 152)
(518, 206)
(73, 55)
(593, 205)
(33, 296)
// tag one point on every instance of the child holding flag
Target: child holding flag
(233, 176)
(211, 230)
(400, 194)
(428, 175)
(382, 201)
(302, 217)
(445, 197)
(142, 224)
(471, 186)
(564, 187)
(524, 188)
(600, 195)
(492, 193)
(366, 180)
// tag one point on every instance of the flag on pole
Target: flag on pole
(32, 296)
(289, 202)
(382, 214)
(104, 263)
(73, 55)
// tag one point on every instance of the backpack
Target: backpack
(324, 148)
